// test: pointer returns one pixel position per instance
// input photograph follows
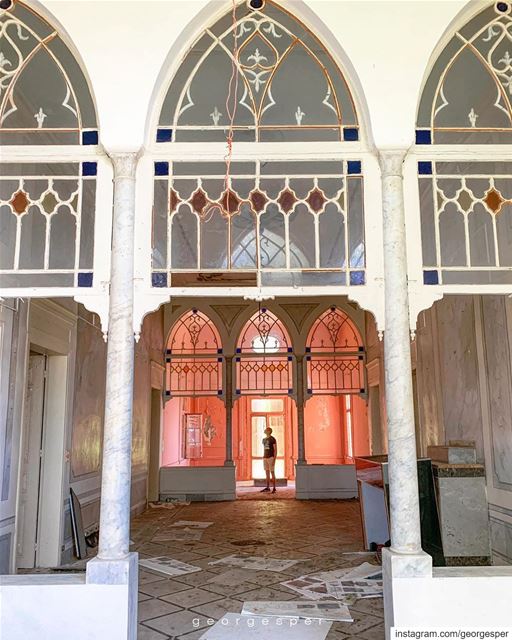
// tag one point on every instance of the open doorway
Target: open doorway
(252, 415)
(42, 462)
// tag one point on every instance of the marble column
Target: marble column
(114, 534)
(301, 445)
(403, 476)
(229, 412)
(405, 558)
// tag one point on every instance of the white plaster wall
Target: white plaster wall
(125, 45)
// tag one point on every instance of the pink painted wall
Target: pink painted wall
(171, 439)
(214, 452)
(361, 428)
(324, 430)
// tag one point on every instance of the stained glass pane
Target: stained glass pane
(184, 239)
(332, 238)
(214, 240)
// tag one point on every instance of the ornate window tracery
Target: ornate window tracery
(454, 110)
(267, 57)
(47, 224)
(47, 204)
(264, 361)
(466, 220)
(44, 96)
(276, 224)
(194, 361)
(334, 356)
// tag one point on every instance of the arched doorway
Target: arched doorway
(335, 424)
(264, 398)
(194, 432)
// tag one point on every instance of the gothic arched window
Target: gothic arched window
(48, 203)
(466, 197)
(259, 78)
(467, 97)
(266, 58)
(264, 361)
(44, 95)
(193, 357)
(334, 355)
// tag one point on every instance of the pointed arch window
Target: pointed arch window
(267, 57)
(44, 95)
(334, 356)
(467, 98)
(264, 360)
(194, 360)
(47, 205)
(466, 206)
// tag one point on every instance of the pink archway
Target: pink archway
(195, 415)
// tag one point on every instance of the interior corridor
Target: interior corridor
(317, 532)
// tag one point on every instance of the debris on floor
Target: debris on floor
(308, 587)
(183, 535)
(365, 571)
(256, 563)
(321, 610)
(161, 505)
(191, 524)
(346, 590)
(346, 585)
(168, 566)
(234, 626)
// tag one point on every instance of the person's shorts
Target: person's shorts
(269, 464)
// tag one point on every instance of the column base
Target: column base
(123, 573)
(229, 463)
(400, 565)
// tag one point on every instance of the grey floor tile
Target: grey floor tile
(143, 633)
(162, 588)
(191, 598)
(178, 623)
(155, 608)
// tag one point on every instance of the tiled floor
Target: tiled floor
(316, 531)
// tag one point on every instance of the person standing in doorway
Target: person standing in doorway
(269, 458)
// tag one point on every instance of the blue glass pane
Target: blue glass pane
(353, 167)
(159, 280)
(430, 277)
(90, 137)
(161, 168)
(85, 279)
(357, 278)
(89, 168)
(423, 136)
(164, 135)
(350, 135)
(425, 168)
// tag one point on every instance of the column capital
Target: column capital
(125, 165)
(391, 162)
